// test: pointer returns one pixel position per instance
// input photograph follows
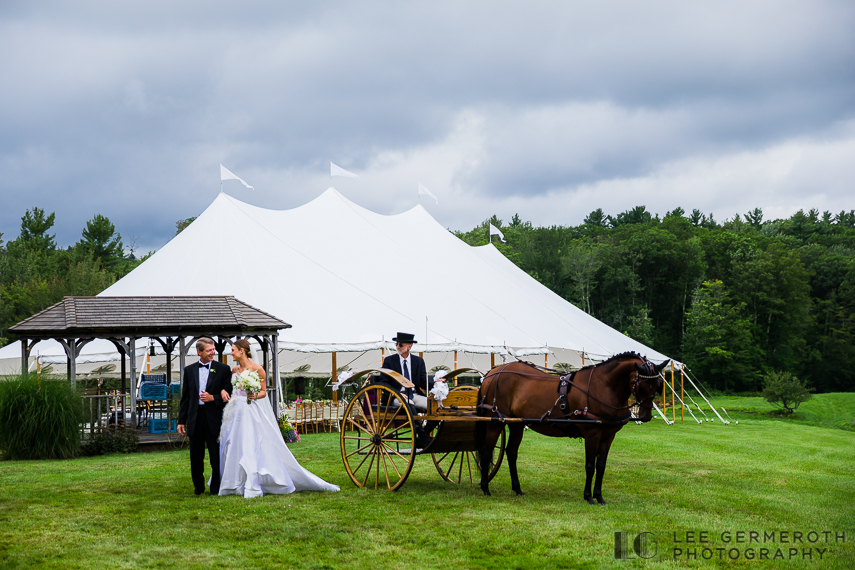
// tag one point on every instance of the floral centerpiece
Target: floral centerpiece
(289, 434)
(250, 382)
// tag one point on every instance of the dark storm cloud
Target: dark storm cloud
(126, 110)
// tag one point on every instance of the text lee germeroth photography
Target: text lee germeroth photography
(698, 545)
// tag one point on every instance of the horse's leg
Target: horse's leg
(602, 455)
(486, 442)
(592, 444)
(511, 450)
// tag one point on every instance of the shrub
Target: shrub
(784, 390)
(114, 439)
(39, 419)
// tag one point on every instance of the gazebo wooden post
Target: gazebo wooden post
(277, 380)
(70, 346)
(682, 396)
(334, 377)
(492, 360)
(25, 356)
(132, 349)
(182, 359)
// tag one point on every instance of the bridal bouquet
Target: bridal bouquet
(250, 382)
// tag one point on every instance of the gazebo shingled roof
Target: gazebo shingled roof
(75, 321)
(82, 317)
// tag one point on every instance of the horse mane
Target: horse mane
(621, 356)
(628, 354)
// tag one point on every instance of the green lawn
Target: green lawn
(835, 410)
(138, 511)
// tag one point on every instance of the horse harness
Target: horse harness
(583, 415)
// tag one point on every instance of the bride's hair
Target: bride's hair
(244, 344)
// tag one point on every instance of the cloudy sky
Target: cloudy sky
(546, 109)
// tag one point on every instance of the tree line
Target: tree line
(735, 300)
(35, 273)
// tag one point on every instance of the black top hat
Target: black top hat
(405, 338)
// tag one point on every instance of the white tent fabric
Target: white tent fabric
(347, 278)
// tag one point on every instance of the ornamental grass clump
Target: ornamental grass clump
(39, 419)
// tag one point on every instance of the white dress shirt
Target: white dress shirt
(204, 371)
(409, 368)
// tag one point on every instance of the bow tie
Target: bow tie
(208, 366)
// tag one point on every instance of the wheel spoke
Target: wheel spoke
(372, 422)
(358, 467)
(389, 420)
(368, 471)
(395, 451)
(357, 450)
(357, 426)
(392, 461)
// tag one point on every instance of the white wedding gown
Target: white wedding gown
(254, 459)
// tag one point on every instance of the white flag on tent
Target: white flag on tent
(494, 231)
(336, 170)
(423, 190)
(226, 174)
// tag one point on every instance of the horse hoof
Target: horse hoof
(487, 493)
(601, 501)
(591, 501)
(519, 493)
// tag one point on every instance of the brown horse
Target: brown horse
(591, 403)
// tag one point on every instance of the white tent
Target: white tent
(348, 279)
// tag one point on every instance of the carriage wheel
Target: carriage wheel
(458, 466)
(377, 439)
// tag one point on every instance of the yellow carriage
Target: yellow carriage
(378, 434)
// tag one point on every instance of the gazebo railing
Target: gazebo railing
(102, 411)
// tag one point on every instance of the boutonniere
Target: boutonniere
(212, 370)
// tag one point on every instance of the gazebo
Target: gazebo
(174, 322)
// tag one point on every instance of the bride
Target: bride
(254, 459)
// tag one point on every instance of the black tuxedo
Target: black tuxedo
(203, 422)
(418, 372)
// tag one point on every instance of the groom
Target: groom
(200, 413)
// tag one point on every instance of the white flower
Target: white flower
(249, 381)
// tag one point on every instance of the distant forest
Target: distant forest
(733, 300)
(35, 273)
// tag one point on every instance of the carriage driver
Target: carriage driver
(411, 367)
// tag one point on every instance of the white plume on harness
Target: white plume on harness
(440, 389)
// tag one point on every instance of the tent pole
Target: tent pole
(682, 397)
(492, 360)
(673, 409)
